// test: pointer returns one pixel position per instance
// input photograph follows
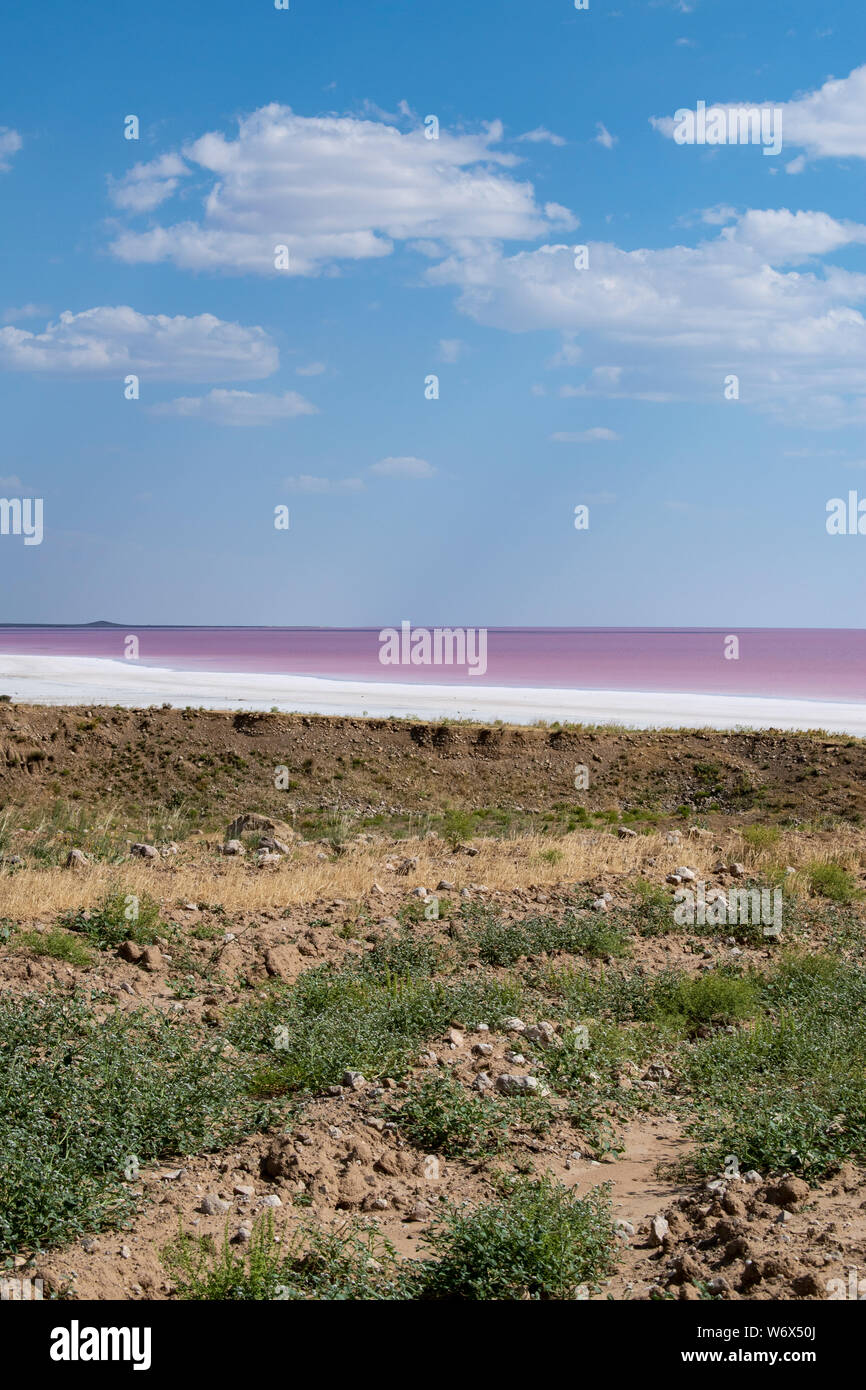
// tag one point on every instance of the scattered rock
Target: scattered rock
(213, 1205)
(659, 1228)
(511, 1085)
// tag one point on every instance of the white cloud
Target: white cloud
(450, 349)
(26, 311)
(311, 369)
(145, 186)
(220, 407)
(329, 188)
(787, 238)
(542, 136)
(604, 136)
(679, 318)
(306, 482)
(10, 143)
(407, 467)
(12, 483)
(112, 341)
(593, 436)
(720, 214)
(829, 122)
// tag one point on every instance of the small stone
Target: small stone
(76, 859)
(483, 1049)
(738, 870)
(272, 1200)
(242, 1236)
(482, 1082)
(242, 1189)
(131, 951)
(686, 874)
(443, 886)
(419, 1212)
(659, 1228)
(544, 1035)
(625, 834)
(354, 1080)
(514, 1025)
(232, 847)
(213, 1206)
(144, 851)
(511, 1085)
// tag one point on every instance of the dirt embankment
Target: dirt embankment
(208, 761)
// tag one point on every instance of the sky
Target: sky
(301, 378)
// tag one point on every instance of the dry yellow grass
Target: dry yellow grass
(197, 874)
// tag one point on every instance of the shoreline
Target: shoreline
(84, 681)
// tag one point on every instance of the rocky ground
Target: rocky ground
(424, 1017)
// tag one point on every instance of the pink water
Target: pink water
(825, 664)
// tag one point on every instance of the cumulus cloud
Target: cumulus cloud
(10, 144)
(220, 407)
(330, 188)
(604, 136)
(829, 122)
(311, 369)
(680, 318)
(112, 341)
(406, 467)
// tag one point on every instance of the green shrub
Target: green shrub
(504, 943)
(833, 882)
(118, 917)
(353, 1264)
(541, 1241)
(438, 1114)
(761, 836)
(334, 1020)
(84, 1100)
(709, 1000)
(60, 945)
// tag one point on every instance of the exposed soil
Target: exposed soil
(742, 1238)
(211, 760)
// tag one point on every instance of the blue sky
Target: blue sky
(410, 257)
